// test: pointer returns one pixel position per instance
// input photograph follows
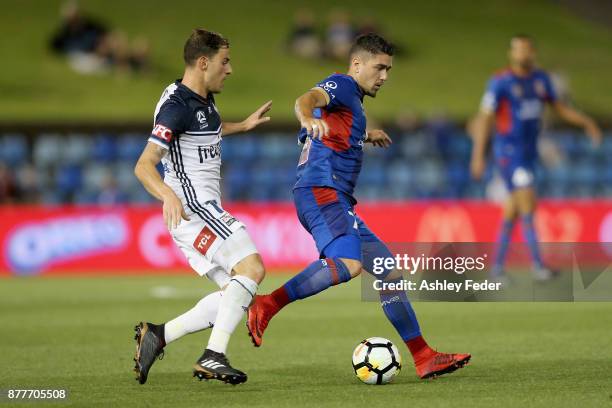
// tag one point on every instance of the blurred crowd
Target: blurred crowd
(310, 40)
(92, 47)
(429, 159)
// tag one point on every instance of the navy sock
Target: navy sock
(532, 240)
(399, 311)
(317, 277)
(503, 242)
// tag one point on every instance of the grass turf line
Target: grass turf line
(77, 333)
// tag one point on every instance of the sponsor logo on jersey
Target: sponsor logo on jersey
(209, 152)
(201, 117)
(204, 240)
(163, 133)
(530, 109)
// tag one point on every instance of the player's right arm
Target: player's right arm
(481, 128)
(148, 175)
(168, 124)
(304, 105)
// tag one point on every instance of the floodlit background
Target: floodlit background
(84, 253)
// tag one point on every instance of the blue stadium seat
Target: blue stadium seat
(105, 148)
(47, 149)
(76, 149)
(13, 149)
(68, 179)
(131, 146)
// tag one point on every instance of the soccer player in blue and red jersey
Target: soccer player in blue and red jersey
(514, 102)
(333, 130)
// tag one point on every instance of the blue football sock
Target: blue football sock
(503, 242)
(532, 240)
(399, 311)
(317, 277)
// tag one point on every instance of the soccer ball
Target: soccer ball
(376, 361)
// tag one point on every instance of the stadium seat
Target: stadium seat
(105, 148)
(13, 149)
(47, 149)
(76, 149)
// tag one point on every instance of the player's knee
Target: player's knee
(252, 267)
(353, 266)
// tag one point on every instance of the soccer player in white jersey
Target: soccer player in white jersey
(186, 138)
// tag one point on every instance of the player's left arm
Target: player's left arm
(576, 118)
(378, 137)
(251, 122)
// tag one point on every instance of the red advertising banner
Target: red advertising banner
(54, 240)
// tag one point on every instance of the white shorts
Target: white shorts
(213, 243)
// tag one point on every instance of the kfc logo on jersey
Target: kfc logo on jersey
(201, 116)
(204, 240)
(163, 133)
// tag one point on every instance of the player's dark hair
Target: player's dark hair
(202, 43)
(523, 37)
(372, 43)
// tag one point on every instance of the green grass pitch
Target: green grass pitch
(76, 333)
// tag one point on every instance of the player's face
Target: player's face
(522, 53)
(373, 71)
(218, 69)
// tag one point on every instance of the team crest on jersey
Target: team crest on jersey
(204, 240)
(201, 117)
(540, 89)
(517, 91)
(163, 133)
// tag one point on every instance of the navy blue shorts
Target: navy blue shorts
(329, 216)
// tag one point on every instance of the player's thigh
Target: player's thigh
(328, 217)
(217, 241)
(510, 208)
(185, 236)
(239, 255)
(525, 200)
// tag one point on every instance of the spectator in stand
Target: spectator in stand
(29, 185)
(340, 35)
(303, 40)
(91, 47)
(8, 188)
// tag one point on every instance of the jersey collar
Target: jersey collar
(179, 83)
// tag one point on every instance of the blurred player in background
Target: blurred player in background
(333, 130)
(186, 138)
(514, 102)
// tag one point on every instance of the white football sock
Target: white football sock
(201, 316)
(236, 299)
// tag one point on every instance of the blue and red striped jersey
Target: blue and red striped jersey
(518, 104)
(335, 161)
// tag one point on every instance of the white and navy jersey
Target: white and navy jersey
(189, 127)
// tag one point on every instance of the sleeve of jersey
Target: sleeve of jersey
(168, 124)
(339, 90)
(490, 99)
(551, 94)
